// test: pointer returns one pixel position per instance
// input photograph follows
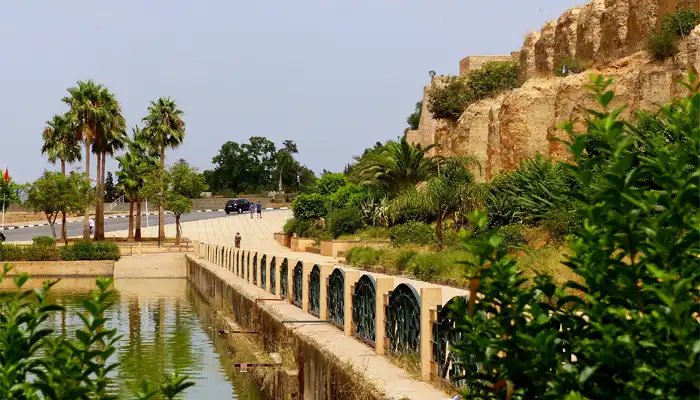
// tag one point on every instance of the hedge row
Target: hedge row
(80, 251)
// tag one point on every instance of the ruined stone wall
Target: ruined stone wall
(607, 36)
(469, 64)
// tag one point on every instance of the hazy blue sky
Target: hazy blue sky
(334, 76)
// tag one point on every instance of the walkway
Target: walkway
(258, 234)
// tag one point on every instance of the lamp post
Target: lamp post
(432, 74)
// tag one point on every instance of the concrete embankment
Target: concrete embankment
(328, 364)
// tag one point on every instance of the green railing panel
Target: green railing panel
(297, 284)
(284, 284)
(315, 291)
(273, 276)
(403, 320)
(364, 309)
(255, 269)
(263, 272)
(444, 335)
(336, 293)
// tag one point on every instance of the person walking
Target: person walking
(259, 206)
(252, 210)
(237, 240)
(91, 223)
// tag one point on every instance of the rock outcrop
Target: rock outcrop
(608, 36)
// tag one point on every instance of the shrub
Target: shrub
(363, 256)
(413, 232)
(573, 66)
(428, 266)
(344, 221)
(33, 252)
(680, 23)
(513, 235)
(662, 45)
(349, 196)
(309, 206)
(404, 259)
(290, 226)
(449, 100)
(44, 241)
(88, 250)
(329, 183)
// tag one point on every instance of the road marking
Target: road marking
(8, 228)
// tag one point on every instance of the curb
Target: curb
(8, 228)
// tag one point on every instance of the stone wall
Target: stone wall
(469, 64)
(607, 36)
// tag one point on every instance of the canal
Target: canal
(165, 326)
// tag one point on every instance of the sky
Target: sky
(334, 76)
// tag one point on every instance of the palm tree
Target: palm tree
(86, 102)
(454, 191)
(285, 159)
(61, 143)
(134, 166)
(395, 167)
(164, 129)
(111, 138)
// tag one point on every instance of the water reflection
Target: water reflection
(161, 332)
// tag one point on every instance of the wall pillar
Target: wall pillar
(195, 247)
(326, 271)
(384, 285)
(430, 299)
(351, 277)
(305, 275)
(291, 263)
(278, 281)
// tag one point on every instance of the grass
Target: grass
(371, 233)
(445, 268)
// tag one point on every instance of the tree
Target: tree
(414, 119)
(110, 189)
(86, 102)
(395, 167)
(111, 138)
(9, 193)
(61, 142)
(164, 128)
(285, 160)
(329, 183)
(243, 167)
(453, 192)
(178, 205)
(54, 193)
(186, 180)
(133, 168)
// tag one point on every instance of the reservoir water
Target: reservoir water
(165, 326)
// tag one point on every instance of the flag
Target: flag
(7, 175)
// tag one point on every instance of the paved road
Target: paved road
(111, 225)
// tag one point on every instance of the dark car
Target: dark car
(237, 205)
(2, 237)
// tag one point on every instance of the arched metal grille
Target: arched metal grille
(284, 284)
(263, 272)
(403, 320)
(364, 309)
(444, 336)
(315, 291)
(255, 269)
(273, 276)
(297, 284)
(336, 293)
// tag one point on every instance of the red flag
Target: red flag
(7, 175)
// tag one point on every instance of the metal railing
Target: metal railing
(115, 203)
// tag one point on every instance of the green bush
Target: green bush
(662, 45)
(449, 100)
(309, 206)
(513, 235)
(344, 221)
(413, 232)
(680, 23)
(349, 196)
(572, 63)
(404, 259)
(44, 241)
(88, 250)
(9, 252)
(364, 256)
(330, 183)
(290, 226)
(427, 266)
